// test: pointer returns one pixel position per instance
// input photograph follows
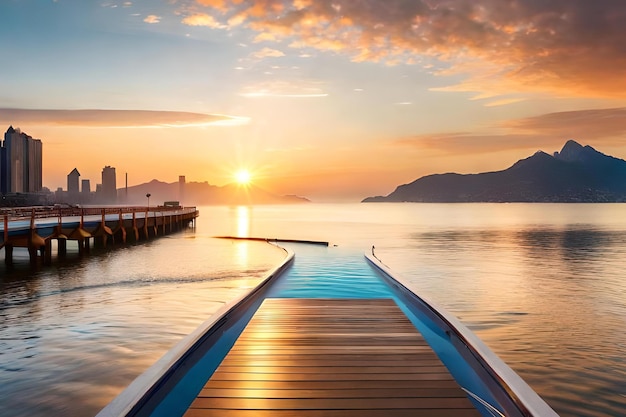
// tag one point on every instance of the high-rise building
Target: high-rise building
(3, 169)
(85, 187)
(35, 169)
(15, 160)
(109, 185)
(181, 189)
(72, 181)
(20, 163)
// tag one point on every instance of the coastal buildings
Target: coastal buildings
(79, 190)
(20, 163)
(21, 182)
(109, 185)
(21, 176)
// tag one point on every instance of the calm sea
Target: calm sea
(544, 285)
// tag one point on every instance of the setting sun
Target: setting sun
(243, 177)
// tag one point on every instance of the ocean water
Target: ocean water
(543, 285)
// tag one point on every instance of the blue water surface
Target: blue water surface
(329, 272)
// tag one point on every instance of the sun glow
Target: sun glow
(243, 177)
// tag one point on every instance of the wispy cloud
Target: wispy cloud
(504, 102)
(117, 118)
(152, 19)
(592, 124)
(257, 94)
(264, 37)
(267, 53)
(301, 89)
(605, 127)
(569, 47)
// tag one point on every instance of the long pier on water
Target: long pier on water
(320, 357)
(35, 228)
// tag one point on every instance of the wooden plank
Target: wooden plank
(331, 357)
(335, 385)
(332, 369)
(328, 403)
(330, 393)
(287, 361)
(425, 412)
(357, 376)
(345, 356)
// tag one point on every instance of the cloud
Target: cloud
(203, 19)
(301, 89)
(266, 93)
(152, 19)
(117, 118)
(590, 124)
(267, 53)
(567, 47)
(606, 127)
(216, 4)
(264, 37)
(504, 102)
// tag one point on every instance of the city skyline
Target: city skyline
(331, 100)
(106, 191)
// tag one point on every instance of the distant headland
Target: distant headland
(203, 193)
(575, 174)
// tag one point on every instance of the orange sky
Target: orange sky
(332, 100)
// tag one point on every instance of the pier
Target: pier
(324, 357)
(35, 228)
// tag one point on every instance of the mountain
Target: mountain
(576, 174)
(202, 193)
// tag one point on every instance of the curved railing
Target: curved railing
(148, 388)
(515, 396)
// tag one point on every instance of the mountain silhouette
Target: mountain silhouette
(575, 174)
(202, 193)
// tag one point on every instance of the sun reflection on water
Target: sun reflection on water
(243, 221)
(243, 230)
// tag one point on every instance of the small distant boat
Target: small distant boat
(330, 336)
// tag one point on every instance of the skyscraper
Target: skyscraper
(20, 163)
(181, 189)
(85, 187)
(35, 168)
(109, 185)
(3, 169)
(72, 181)
(15, 160)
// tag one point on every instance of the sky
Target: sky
(332, 100)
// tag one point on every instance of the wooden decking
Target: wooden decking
(331, 357)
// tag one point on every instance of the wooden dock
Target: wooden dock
(331, 357)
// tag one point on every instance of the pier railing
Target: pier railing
(43, 212)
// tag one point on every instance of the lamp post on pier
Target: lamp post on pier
(148, 195)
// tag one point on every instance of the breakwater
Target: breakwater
(36, 228)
